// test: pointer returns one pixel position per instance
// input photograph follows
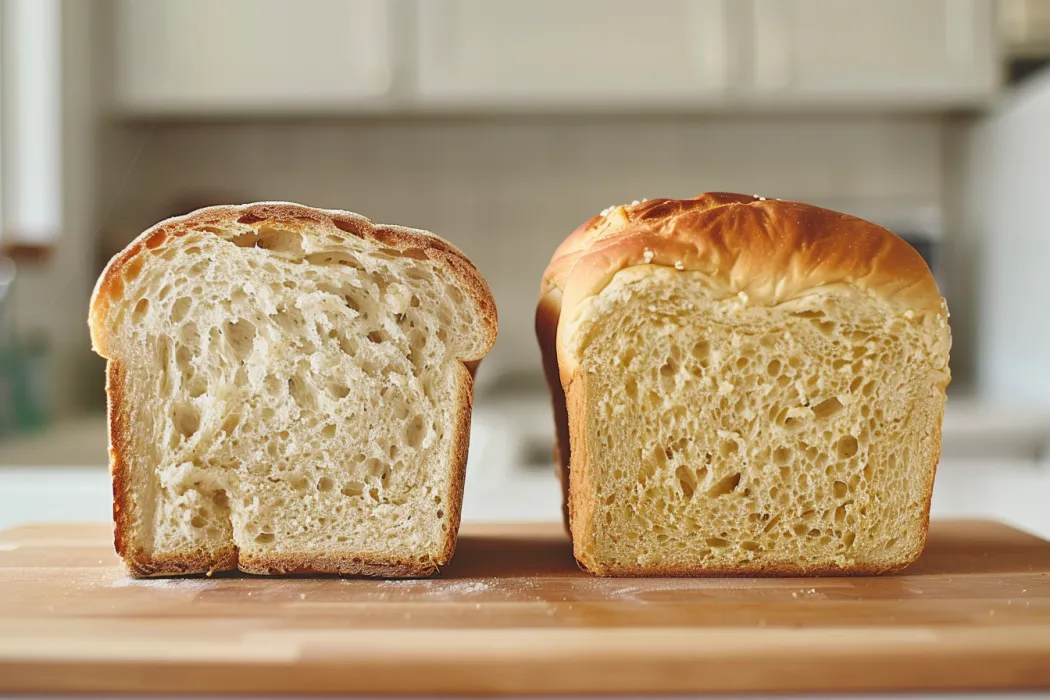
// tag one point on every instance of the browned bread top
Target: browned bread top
(765, 250)
(334, 223)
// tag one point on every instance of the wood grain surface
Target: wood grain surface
(514, 615)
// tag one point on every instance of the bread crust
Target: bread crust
(770, 250)
(408, 241)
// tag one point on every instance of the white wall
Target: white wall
(52, 297)
(1004, 164)
(507, 190)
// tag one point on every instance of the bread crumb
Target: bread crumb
(909, 314)
(678, 265)
(794, 594)
(302, 596)
(742, 296)
(647, 256)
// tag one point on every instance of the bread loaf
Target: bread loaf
(289, 391)
(743, 386)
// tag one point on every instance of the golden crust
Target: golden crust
(771, 250)
(110, 287)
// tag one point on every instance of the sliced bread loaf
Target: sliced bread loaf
(289, 391)
(743, 386)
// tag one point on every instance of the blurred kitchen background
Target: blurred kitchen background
(501, 126)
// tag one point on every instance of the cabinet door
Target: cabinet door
(222, 55)
(563, 53)
(925, 50)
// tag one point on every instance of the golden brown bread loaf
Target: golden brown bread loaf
(743, 386)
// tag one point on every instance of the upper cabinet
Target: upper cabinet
(274, 56)
(550, 52)
(202, 56)
(902, 51)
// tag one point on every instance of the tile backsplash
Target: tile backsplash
(508, 189)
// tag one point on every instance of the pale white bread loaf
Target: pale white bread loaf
(747, 386)
(289, 390)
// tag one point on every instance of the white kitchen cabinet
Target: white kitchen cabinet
(188, 56)
(549, 52)
(902, 51)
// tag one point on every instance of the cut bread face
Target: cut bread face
(743, 387)
(290, 391)
(730, 438)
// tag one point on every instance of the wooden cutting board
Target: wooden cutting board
(513, 614)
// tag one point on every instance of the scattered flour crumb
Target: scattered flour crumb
(302, 596)
(175, 584)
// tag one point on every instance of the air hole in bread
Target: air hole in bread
(240, 336)
(264, 538)
(727, 448)
(346, 226)
(414, 432)
(827, 408)
(133, 268)
(846, 447)
(180, 308)
(301, 392)
(686, 481)
(352, 303)
(280, 240)
(352, 489)
(335, 258)
(724, 486)
(138, 314)
(325, 484)
(717, 542)
(701, 351)
(197, 386)
(414, 254)
(186, 419)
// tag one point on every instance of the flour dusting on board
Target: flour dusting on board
(175, 584)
